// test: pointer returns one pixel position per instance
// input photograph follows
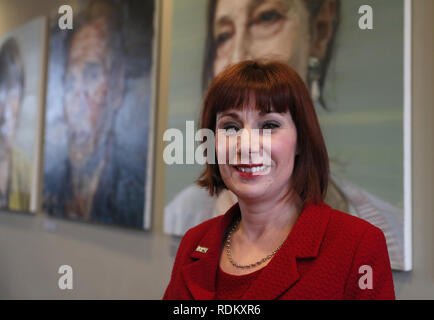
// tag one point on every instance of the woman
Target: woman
(300, 33)
(280, 240)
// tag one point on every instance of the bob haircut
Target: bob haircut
(276, 87)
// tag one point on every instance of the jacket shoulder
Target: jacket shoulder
(362, 245)
(349, 226)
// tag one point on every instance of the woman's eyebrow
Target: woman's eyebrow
(223, 21)
(228, 114)
(255, 3)
(236, 116)
(264, 113)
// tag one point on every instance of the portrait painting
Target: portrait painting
(359, 80)
(100, 114)
(21, 73)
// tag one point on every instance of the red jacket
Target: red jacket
(321, 259)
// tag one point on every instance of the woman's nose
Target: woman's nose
(240, 51)
(249, 144)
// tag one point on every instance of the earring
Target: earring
(314, 74)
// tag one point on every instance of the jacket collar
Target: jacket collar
(303, 241)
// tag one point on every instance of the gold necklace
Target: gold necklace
(252, 265)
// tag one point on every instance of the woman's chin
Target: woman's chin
(250, 192)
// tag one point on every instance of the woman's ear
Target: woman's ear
(322, 29)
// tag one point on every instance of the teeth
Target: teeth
(253, 169)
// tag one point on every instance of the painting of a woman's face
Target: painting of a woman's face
(86, 87)
(252, 29)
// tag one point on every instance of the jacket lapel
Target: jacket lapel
(303, 241)
(278, 276)
(200, 275)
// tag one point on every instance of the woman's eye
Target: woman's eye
(222, 38)
(270, 125)
(268, 17)
(231, 129)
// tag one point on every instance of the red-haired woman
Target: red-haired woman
(280, 240)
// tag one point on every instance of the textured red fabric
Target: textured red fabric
(320, 259)
(232, 287)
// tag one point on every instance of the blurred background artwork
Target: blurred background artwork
(356, 78)
(21, 68)
(100, 114)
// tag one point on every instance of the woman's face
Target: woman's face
(270, 29)
(256, 181)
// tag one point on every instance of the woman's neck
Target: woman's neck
(260, 220)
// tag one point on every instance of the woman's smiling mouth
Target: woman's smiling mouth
(251, 170)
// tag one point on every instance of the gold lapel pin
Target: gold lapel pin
(201, 249)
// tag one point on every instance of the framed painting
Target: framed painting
(100, 114)
(22, 54)
(360, 84)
